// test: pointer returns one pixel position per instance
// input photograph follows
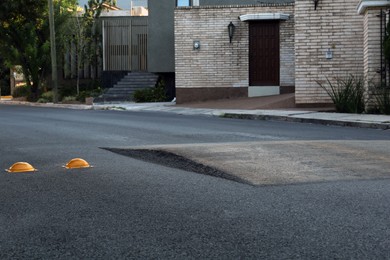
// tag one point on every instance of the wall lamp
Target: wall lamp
(196, 45)
(316, 4)
(231, 28)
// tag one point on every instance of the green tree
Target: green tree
(84, 33)
(4, 79)
(23, 41)
(24, 36)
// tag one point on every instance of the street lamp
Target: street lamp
(315, 4)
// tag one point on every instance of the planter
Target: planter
(19, 99)
(89, 100)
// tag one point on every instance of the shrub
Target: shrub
(347, 94)
(94, 84)
(88, 93)
(5, 88)
(66, 90)
(156, 94)
(46, 97)
(69, 99)
(91, 88)
(22, 91)
(143, 95)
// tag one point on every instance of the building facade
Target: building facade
(258, 61)
(276, 48)
(328, 45)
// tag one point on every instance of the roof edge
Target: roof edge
(364, 4)
(264, 16)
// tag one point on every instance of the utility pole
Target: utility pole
(53, 52)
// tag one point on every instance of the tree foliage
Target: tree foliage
(84, 33)
(25, 36)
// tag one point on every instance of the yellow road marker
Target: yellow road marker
(77, 163)
(21, 167)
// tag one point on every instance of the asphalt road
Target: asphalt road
(127, 208)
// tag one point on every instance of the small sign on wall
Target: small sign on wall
(329, 54)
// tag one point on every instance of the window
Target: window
(183, 3)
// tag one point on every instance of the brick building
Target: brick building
(277, 47)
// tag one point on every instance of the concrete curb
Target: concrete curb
(373, 125)
(52, 105)
(346, 120)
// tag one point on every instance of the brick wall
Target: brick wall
(336, 25)
(372, 45)
(218, 63)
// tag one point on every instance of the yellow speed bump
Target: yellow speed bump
(21, 167)
(77, 163)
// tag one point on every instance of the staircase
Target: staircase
(124, 89)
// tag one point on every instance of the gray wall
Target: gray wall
(161, 49)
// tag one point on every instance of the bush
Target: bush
(69, 99)
(5, 89)
(88, 93)
(347, 94)
(46, 97)
(92, 88)
(156, 94)
(65, 90)
(143, 95)
(22, 91)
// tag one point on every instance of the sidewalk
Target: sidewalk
(286, 114)
(292, 115)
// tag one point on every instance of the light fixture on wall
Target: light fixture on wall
(196, 45)
(231, 28)
(316, 4)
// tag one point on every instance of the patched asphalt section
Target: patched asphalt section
(176, 161)
(273, 162)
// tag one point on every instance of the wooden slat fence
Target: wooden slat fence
(125, 44)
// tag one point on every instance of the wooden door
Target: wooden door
(264, 53)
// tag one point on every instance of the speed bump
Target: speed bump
(21, 167)
(77, 163)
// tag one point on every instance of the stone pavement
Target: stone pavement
(286, 114)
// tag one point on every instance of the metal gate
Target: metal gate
(385, 65)
(125, 44)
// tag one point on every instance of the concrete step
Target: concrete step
(103, 99)
(125, 88)
(136, 81)
(120, 92)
